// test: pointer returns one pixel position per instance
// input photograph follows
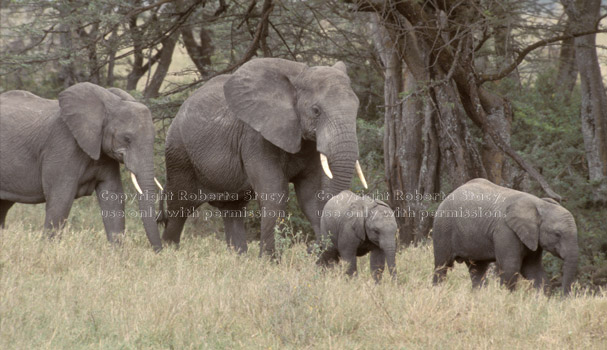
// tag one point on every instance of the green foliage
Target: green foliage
(285, 235)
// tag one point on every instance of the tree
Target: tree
(429, 52)
(585, 16)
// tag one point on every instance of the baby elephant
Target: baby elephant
(357, 225)
(481, 222)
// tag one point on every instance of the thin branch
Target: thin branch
(483, 78)
(247, 14)
(267, 10)
(283, 40)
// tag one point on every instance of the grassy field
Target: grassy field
(80, 293)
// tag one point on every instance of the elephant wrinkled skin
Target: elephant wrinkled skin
(352, 226)
(481, 222)
(56, 151)
(271, 122)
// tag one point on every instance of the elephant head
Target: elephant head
(287, 101)
(545, 223)
(374, 220)
(112, 123)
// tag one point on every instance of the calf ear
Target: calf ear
(383, 203)
(523, 218)
(341, 66)
(125, 96)
(356, 219)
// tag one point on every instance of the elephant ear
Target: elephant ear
(262, 95)
(383, 203)
(341, 66)
(356, 214)
(125, 96)
(83, 109)
(523, 218)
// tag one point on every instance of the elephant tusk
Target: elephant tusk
(134, 179)
(158, 184)
(359, 171)
(325, 166)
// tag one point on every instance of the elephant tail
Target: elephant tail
(162, 217)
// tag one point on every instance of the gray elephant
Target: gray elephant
(245, 136)
(55, 151)
(352, 226)
(481, 222)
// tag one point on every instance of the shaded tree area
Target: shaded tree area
(449, 90)
(445, 117)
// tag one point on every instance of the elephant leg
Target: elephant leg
(350, 259)
(532, 269)
(347, 252)
(306, 190)
(109, 193)
(477, 270)
(509, 272)
(234, 225)
(178, 209)
(271, 211)
(4, 207)
(272, 189)
(378, 262)
(440, 271)
(173, 229)
(328, 257)
(509, 261)
(58, 205)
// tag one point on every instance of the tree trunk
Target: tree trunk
(410, 142)
(93, 61)
(585, 15)
(68, 69)
(166, 56)
(111, 60)
(493, 158)
(500, 117)
(138, 68)
(201, 53)
(393, 86)
(567, 67)
(503, 38)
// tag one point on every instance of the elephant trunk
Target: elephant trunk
(336, 139)
(342, 156)
(147, 207)
(569, 272)
(342, 167)
(144, 175)
(389, 248)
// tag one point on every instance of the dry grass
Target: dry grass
(80, 292)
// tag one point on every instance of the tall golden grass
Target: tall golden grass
(80, 292)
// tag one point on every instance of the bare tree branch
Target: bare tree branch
(504, 72)
(250, 52)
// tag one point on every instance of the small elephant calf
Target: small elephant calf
(357, 225)
(481, 222)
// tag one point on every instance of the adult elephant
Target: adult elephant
(55, 151)
(481, 222)
(247, 135)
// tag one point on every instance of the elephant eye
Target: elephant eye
(128, 138)
(316, 110)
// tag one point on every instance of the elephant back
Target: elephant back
(21, 106)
